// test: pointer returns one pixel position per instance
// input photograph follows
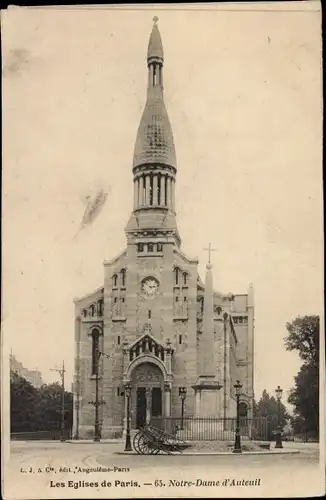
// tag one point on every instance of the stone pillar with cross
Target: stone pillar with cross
(207, 388)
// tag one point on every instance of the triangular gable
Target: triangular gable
(149, 338)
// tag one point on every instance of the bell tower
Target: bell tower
(154, 162)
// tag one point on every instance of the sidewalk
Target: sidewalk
(221, 453)
(287, 450)
(91, 441)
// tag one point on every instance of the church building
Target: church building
(154, 325)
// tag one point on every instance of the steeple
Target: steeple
(154, 160)
(155, 47)
(154, 142)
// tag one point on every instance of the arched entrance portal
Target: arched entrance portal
(147, 394)
(243, 410)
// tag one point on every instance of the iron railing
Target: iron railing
(212, 429)
(49, 435)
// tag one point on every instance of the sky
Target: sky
(243, 93)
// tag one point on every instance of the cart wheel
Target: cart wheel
(144, 446)
(135, 443)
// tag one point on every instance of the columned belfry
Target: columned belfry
(162, 330)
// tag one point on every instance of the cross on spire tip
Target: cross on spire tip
(155, 19)
(209, 250)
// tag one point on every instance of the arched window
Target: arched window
(184, 278)
(123, 277)
(150, 247)
(84, 313)
(100, 307)
(95, 351)
(176, 274)
(92, 310)
(114, 280)
(159, 247)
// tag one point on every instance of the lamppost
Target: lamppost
(182, 395)
(97, 403)
(128, 446)
(278, 443)
(237, 443)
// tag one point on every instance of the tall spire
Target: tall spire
(154, 160)
(155, 47)
(154, 143)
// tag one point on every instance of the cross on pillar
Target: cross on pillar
(155, 19)
(209, 250)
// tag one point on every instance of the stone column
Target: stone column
(162, 201)
(207, 386)
(137, 190)
(147, 189)
(135, 194)
(168, 353)
(167, 399)
(148, 404)
(168, 191)
(197, 403)
(173, 194)
(155, 179)
(141, 191)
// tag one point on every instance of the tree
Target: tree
(51, 406)
(303, 337)
(35, 409)
(267, 407)
(24, 404)
(305, 399)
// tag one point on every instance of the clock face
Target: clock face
(150, 287)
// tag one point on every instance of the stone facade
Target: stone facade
(147, 318)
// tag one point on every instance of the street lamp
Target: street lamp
(182, 395)
(278, 443)
(97, 403)
(128, 446)
(237, 443)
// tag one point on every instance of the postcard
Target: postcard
(162, 251)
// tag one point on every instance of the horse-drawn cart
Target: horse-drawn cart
(150, 440)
